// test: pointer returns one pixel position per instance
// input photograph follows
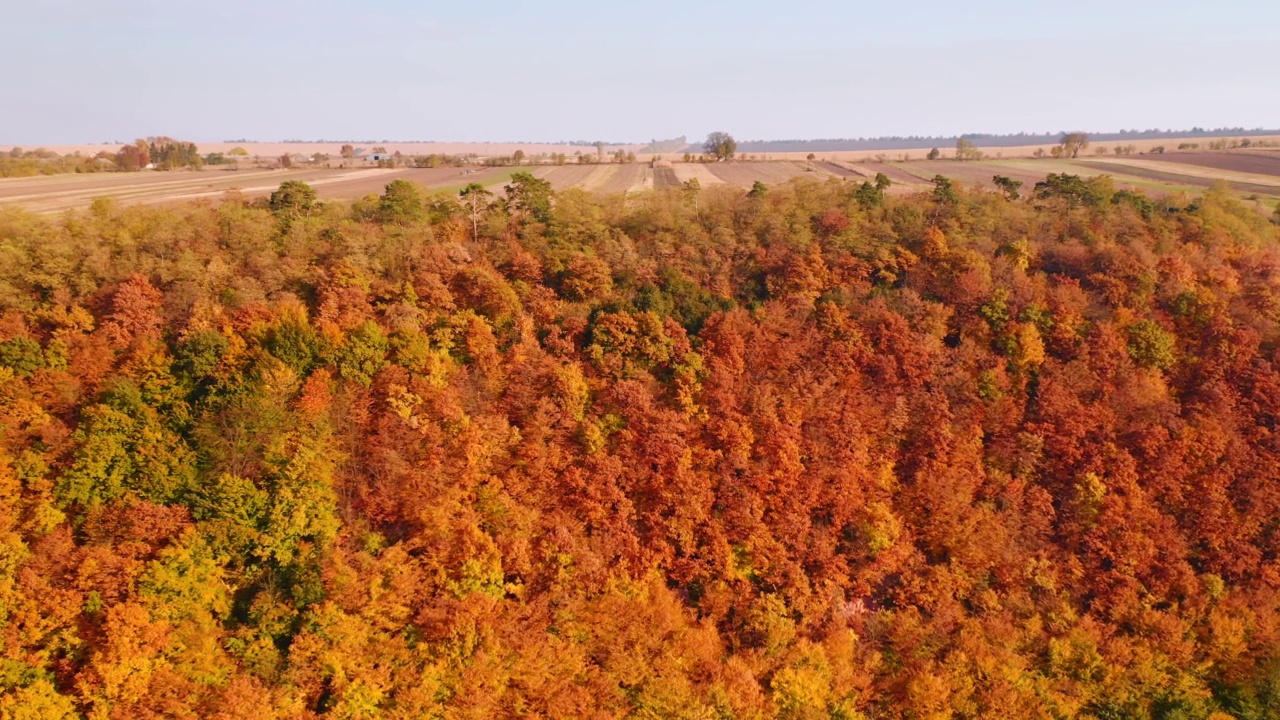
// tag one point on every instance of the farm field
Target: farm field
(841, 170)
(565, 176)
(696, 171)
(997, 152)
(664, 177)
(1259, 162)
(64, 192)
(627, 178)
(969, 173)
(1266, 174)
(747, 174)
(1247, 174)
(276, 149)
(1268, 186)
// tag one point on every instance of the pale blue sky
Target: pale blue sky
(95, 70)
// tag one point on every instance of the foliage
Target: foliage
(293, 198)
(821, 451)
(1072, 143)
(1008, 186)
(720, 145)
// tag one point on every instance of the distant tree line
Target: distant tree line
(920, 142)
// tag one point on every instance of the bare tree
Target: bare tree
(475, 198)
(1072, 143)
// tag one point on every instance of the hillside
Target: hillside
(815, 450)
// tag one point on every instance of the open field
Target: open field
(1128, 164)
(1254, 173)
(64, 192)
(1194, 180)
(1255, 162)
(270, 150)
(979, 173)
(897, 174)
(696, 171)
(628, 178)
(998, 153)
(664, 177)
(565, 176)
(747, 174)
(276, 149)
(840, 171)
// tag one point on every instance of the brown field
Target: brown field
(840, 171)
(275, 149)
(747, 174)
(63, 192)
(994, 153)
(565, 176)
(1174, 172)
(696, 171)
(599, 175)
(979, 173)
(664, 177)
(1240, 161)
(895, 173)
(72, 183)
(628, 178)
(1196, 180)
(1177, 168)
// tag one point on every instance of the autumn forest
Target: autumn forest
(818, 450)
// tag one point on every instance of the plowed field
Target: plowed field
(1257, 163)
(747, 174)
(1248, 174)
(628, 178)
(696, 171)
(664, 177)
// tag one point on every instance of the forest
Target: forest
(812, 451)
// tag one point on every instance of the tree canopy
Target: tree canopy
(1072, 143)
(720, 145)
(824, 451)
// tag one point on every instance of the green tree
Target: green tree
(934, 154)
(22, 355)
(1075, 190)
(1151, 345)
(944, 190)
(1008, 186)
(720, 145)
(529, 197)
(363, 355)
(401, 203)
(123, 447)
(293, 198)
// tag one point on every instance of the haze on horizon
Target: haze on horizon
(106, 70)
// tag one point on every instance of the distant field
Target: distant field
(747, 174)
(997, 153)
(1248, 173)
(1259, 162)
(274, 150)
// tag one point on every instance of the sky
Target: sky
(79, 71)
